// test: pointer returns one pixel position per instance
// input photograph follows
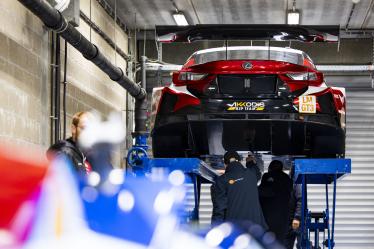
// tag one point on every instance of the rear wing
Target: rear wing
(275, 32)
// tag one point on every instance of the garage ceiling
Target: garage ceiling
(313, 12)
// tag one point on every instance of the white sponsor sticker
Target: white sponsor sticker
(307, 104)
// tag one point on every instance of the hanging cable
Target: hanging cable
(115, 21)
(64, 90)
(156, 42)
(350, 16)
(194, 10)
(90, 21)
(144, 41)
(135, 41)
(174, 6)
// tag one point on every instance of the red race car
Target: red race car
(265, 99)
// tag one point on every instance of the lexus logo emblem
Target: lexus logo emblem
(247, 65)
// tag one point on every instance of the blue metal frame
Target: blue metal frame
(319, 171)
(138, 151)
(195, 170)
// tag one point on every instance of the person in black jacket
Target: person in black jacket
(295, 214)
(275, 192)
(235, 194)
(69, 147)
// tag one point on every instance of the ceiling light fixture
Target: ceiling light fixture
(180, 19)
(293, 17)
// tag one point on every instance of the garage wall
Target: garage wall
(24, 85)
(25, 74)
(355, 192)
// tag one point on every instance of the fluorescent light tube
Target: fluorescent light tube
(293, 17)
(180, 19)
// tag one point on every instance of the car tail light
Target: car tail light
(186, 76)
(303, 76)
(211, 88)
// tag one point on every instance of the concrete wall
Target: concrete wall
(24, 78)
(25, 74)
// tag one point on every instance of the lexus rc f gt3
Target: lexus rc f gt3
(259, 98)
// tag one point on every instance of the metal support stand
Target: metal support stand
(197, 191)
(319, 171)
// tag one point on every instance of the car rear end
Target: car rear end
(274, 100)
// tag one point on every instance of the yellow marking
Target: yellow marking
(307, 104)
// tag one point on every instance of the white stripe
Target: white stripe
(180, 89)
(249, 48)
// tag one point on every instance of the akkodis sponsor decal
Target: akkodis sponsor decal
(246, 106)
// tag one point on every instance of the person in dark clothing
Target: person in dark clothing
(295, 214)
(235, 194)
(69, 147)
(275, 192)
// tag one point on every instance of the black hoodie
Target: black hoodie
(69, 149)
(235, 195)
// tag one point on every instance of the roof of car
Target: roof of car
(291, 50)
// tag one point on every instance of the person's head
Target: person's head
(275, 166)
(78, 124)
(251, 159)
(231, 156)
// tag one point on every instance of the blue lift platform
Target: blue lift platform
(196, 170)
(323, 172)
(307, 171)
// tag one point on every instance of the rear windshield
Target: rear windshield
(248, 54)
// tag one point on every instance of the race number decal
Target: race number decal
(307, 104)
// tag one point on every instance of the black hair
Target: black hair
(275, 165)
(230, 154)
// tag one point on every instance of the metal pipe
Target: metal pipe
(141, 104)
(55, 21)
(52, 70)
(110, 42)
(143, 60)
(64, 90)
(57, 88)
(328, 215)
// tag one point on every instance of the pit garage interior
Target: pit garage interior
(45, 79)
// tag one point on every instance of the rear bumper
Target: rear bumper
(315, 135)
(311, 119)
